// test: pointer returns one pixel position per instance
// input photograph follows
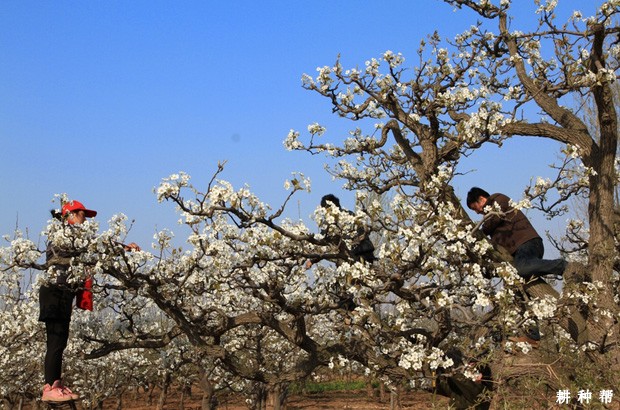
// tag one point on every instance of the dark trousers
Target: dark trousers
(57, 337)
(529, 262)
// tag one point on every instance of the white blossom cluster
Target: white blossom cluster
(546, 6)
(543, 308)
(414, 356)
(170, 186)
(488, 120)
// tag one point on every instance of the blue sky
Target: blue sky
(103, 99)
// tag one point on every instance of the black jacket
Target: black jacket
(362, 250)
(56, 299)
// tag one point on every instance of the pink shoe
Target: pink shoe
(55, 393)
(66, 390)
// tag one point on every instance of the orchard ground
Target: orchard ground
(340, 399)
(359, 399)
(349, 399)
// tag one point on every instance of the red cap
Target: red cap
(72, 206)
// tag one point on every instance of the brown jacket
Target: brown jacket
(511, 230)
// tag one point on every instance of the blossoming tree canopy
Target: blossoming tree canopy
(439, 301)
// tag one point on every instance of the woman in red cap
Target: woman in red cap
(56, 304)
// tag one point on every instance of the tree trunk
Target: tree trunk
(603, 328)
(260, 395)
(209, 400)
(395, 399)
(150, 395)
(574, 323)
(370, 391)
(164, 391)
(463, 392)
(278, 395)
(275, 396)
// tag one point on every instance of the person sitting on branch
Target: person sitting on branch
(509, 228)
(362, 249)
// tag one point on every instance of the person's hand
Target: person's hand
(308, 264)
(132, 247)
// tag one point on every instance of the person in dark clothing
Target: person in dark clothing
(56, 305)
(362, 250)
(511, 229)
